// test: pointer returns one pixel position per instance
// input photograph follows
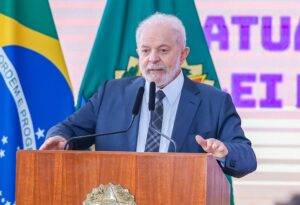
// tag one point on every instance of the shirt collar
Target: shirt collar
(171, 90)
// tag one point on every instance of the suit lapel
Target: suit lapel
(187, 108)
(130, 95)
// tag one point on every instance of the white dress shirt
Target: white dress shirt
(170, 102)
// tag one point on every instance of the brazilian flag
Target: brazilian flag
(35, 90)
(114, 52)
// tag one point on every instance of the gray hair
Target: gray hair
(173, 21)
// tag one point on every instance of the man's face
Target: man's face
(160, 54)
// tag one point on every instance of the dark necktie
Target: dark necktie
(153, 138)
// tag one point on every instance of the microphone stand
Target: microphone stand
(166, 137)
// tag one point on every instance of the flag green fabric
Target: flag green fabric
(114, 51)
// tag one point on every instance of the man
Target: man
(198, 117)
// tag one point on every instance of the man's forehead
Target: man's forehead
(158, 36)
(145, 45)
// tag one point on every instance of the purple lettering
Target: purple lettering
(244, 23)
(297, 38)
(298, 91)
(238, 90)
(271, 100)
(221, 36)
(285, 31)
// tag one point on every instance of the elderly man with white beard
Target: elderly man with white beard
(197, 117)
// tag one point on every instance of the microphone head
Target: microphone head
(138, 101)
(151, 104)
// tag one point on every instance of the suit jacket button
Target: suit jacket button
(232, 163)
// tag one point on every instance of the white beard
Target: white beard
(162, 80)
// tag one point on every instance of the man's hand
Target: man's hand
(54, 143)
(212, 146)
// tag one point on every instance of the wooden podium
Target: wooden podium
(66, 177)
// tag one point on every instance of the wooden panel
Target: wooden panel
(218, 189)
(65, 177)
(25, 178)
(170, 179)
(87, 170)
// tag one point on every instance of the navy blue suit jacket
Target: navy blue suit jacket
(202, 110)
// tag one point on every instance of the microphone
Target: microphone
(134, 113)
(151, 106)
(138, 102)
(151, 103)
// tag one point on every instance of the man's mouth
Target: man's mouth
(158, 69)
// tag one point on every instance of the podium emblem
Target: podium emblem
(109, 194)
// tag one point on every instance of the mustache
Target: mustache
(156, 67)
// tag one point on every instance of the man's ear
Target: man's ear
(184, 54)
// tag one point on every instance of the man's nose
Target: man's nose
(153, 57)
